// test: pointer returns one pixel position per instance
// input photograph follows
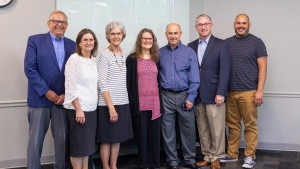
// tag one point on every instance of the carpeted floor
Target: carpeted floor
(266, 159)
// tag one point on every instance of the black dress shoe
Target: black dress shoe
(173, 167)
(193, 166)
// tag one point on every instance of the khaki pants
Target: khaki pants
(211, 127)
(240, 106)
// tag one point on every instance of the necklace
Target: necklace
(120, 62)
(149, 72)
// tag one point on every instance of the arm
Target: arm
(194, 80)
(112, 111)
(224, 74)
(31, 71)
(262, 74)
(79, 112)
(102, 83)
(71, 79)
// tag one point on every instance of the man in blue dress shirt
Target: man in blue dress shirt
(44, 65)
(180, 79)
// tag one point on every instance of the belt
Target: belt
(174, 91)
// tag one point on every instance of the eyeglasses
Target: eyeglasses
(203, 24)
(58, 21)
(149, 39)
(116, 34)
(88, 40)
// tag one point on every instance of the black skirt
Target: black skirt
(82, 136)
(117, 132)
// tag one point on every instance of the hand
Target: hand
(113, 115)
(219, 100)
(258, 98)
(52, 96)
(60, 99)
(80, 118)
(188, 104)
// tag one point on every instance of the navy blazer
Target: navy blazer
(42, 70)
(214, 70)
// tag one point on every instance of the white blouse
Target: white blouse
(112, 77)
(81, 78)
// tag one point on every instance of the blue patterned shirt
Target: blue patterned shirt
(179, 70)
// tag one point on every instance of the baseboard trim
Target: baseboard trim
(23, 162)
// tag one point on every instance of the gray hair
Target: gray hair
(58, 12)
(114, 24)
(203, 15)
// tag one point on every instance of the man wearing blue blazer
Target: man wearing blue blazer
(214, 66)
(44, 65)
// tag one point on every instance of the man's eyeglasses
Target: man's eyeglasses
(149, 39)
(58, 21)
(203, 24)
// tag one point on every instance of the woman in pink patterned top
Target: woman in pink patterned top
(144, 97)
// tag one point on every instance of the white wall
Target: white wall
(271, 20)
(135, 15)
(276, 23)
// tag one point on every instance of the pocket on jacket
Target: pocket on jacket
(214, 80)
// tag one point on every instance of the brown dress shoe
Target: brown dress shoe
(215, 164)
(203, 163)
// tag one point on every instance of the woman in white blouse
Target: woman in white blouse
(81, 98)
(114, 118)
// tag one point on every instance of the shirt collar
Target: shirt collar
(179, 44)
(206, 40)
(55, 38)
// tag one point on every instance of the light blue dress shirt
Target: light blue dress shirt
(59, 47)
(201, 49)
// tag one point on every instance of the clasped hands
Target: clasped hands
(53, 97)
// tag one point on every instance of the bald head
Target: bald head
(243, 15)
(173, 26)
(173, 34)
(241, 25)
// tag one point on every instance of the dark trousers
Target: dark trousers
(147, 135)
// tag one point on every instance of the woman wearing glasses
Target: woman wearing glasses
(144, 99)
(81, 98)
(114, 119)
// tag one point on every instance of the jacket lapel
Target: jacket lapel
(49, 44)
(208, 48)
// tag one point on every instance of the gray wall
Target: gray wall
(18, 21)
(278, 117)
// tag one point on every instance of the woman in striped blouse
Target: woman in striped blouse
(114, 119)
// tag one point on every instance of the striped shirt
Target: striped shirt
(112, 77)
(244, 68)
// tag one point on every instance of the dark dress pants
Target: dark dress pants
(147, 134)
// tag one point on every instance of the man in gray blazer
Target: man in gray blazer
(214, 66)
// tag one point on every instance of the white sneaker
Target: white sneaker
(248, 162)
